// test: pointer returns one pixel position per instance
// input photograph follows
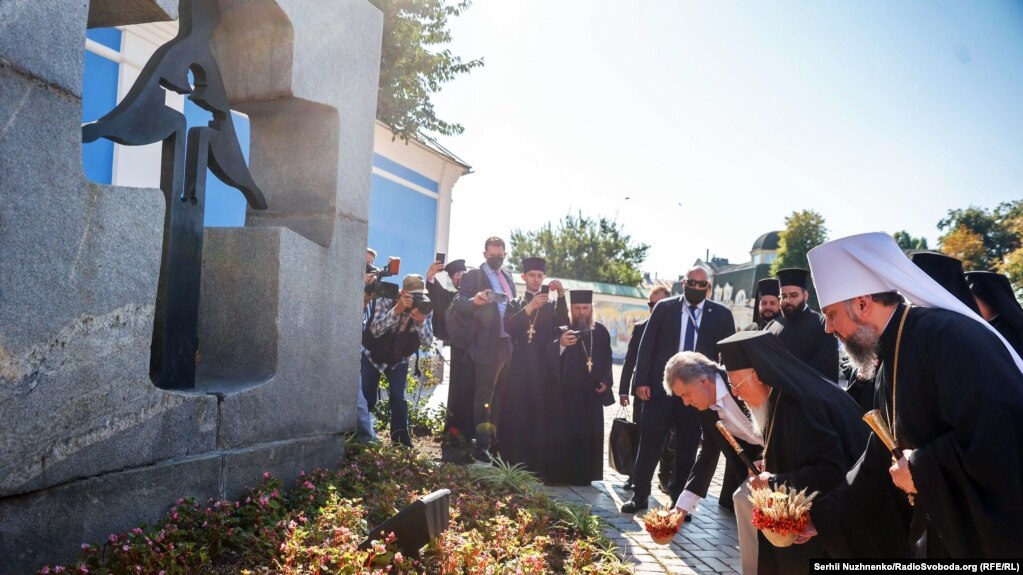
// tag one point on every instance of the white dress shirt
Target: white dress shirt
(687, 323)
(736, 422)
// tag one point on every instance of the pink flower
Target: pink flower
(86, 547)
(83, 569)
(45, 570)
(266, 475)
(124, 547)
(59, 569)
(175, 516)
(137, 531)
(112, 538)
(308, 485)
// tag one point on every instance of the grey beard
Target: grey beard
(758, 415)
(862, 348)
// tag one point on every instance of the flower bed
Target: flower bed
(499, 524)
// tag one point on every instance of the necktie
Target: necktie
(688, 344)
(504, 284)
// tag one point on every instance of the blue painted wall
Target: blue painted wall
(99, 96)
(225, 206)
(402, 223)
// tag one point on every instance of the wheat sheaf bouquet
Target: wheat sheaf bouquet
(781, 513)
(662, 524)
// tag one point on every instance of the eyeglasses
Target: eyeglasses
(736, 386)
(697, 283)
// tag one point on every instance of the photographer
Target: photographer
(399, 324)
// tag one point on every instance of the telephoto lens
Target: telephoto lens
(422, 303)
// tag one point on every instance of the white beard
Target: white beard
(758, 415)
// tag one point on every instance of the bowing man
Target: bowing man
(812, 431)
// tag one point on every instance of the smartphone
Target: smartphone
(545, 289)
(496, 297)
(440, 257)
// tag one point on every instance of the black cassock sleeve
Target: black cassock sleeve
(969, 478)
(811, 450)
(866, 516)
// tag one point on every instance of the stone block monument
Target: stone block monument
(93, 441)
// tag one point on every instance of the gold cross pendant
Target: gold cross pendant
(589, 365)
(530, 332)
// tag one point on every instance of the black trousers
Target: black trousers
(460, 393)
(490, 380)
(661, 414)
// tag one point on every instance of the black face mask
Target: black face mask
(695, 296)
(494, 262)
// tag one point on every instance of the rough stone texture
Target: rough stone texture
(109, 13)
(44, 40)
(318, 352)
(238, 308)
(283, 460)
(88, 442)
(49, 526)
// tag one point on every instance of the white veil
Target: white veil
(872, 263)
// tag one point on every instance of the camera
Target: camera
(422, 302)
(545, 289)
(391, 269)
(379, 288)
(497, 297)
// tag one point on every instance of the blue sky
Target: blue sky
(718, 119)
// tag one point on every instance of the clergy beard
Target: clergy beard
(583, 323)
(862, 348)
(790, 311)
(758, 415)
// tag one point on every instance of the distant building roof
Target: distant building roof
(768, 241)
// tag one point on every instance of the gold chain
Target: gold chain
(895, 374)
(589, 354)
(532, 323)
(770, 427)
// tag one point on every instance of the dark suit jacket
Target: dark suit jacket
(626, 387)
(487, 317)
(661, 339)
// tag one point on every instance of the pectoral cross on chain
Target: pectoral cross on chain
(530, 332)
(589, 365)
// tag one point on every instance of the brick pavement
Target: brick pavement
(707, 545)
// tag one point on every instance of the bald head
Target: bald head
(697, 273)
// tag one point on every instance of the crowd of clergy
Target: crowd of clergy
(934, 350)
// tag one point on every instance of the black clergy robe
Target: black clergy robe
(1009, 332)
(529, 405)
(803, 336)
(577, 434)
(959, 406)
(811, 444)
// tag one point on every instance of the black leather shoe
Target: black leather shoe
(631, 506)
(628, 486)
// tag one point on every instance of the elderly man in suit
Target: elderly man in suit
(484, 294)
(688, 322)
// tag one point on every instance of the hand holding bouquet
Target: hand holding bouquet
(781, 513)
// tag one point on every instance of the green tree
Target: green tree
(804, 230)
(1012, 267)
(410, 72)
(998, 230)
(582, 248)
(965, 245)
(908, 242)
